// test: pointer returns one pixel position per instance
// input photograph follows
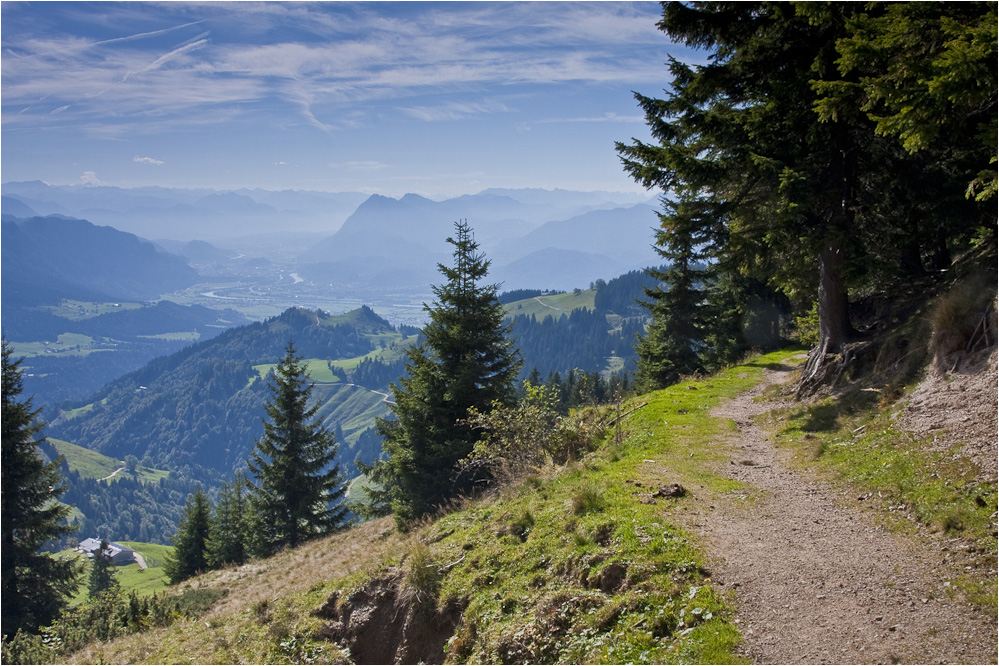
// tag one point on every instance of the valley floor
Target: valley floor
(818, 578)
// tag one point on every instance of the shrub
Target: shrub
(518, 440)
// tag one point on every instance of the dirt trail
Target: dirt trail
(816, 579)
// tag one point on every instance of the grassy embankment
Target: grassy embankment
(579, 563)
(93, 465)
(574, 564)
(555, 305)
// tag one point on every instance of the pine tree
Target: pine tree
(228, 532)
(673, 343)
(103, 576)
(299, 489)
(465, 361)
(35, 586)
(190, 543)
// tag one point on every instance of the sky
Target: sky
(439, 99)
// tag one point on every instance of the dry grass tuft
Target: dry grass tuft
(964, 317)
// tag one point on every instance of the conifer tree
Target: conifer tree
(298, 489)
(103, 576)
(35, 586)
(228, 532)
(672, 344)
(190, 543)
(465, 361)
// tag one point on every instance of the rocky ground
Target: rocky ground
(817, 578)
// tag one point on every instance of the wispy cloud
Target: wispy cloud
(454, 110)
(147, 160)
(345, 55)
(609, 117)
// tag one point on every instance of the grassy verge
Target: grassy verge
(579, 564)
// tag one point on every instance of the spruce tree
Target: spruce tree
(103, 576)
(672, 344)
(35, 586)
(228, 532)
(464, 361)
(190, 543)
(298, 489)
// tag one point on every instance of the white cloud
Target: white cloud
(146, 160)
(454, 110)
(90, 178)
(343, 55)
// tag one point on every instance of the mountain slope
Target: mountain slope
(202, 406)
(45, 257)
(605, 561)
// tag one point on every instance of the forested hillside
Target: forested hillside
(201, 407)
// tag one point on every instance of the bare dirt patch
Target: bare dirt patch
(959, 408)
(381, 624)
(815, 578)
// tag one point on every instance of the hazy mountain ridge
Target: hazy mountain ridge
(187, 214)
(82, 260)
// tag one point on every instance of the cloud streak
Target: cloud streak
(355, 57)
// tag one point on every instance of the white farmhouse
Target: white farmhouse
(118, 553)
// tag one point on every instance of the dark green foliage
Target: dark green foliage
(465, 361)
(926, 74)
(102, 572)
(673, 343)
(190, 555)
(297, 490)
(35, 587)
(776, 171)
(130, 509)
(584, 340)
(228, 532)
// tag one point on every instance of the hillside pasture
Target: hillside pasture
(553, 305)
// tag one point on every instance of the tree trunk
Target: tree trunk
(834, 315)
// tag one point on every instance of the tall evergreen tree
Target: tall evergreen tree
(103, 576)
(35, 586)
(780, 147)
(465, 360)
(298, 489)
(741, 145)
(674, 341)
(190, 543)
(228, 533)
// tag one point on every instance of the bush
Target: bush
(423, 577)
(517, 440)
(588, 498)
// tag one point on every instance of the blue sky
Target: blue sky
(439, 99)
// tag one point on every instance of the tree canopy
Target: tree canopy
(767, 176)
(464, 361)
(297, 489)
(35, 586)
